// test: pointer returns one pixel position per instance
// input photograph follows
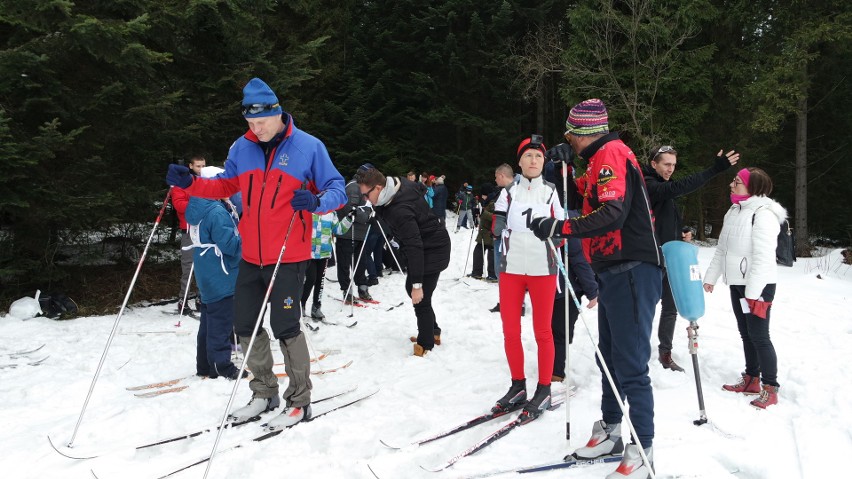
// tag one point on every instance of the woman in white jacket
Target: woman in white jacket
(745, 257)
(525, 264)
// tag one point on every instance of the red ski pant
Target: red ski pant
(542, 290)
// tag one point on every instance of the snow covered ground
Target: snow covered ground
(806, 435)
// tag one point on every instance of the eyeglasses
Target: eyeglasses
(738, 181)
(663, 149)
(258, 108)
(367, 194)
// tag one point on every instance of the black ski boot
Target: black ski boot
(539, 402)
(513, 399)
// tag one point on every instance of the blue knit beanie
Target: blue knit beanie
(257, 92)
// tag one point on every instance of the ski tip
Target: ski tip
(389, 446)
(352, 325)
(62, 451)
(432, 469)
(93, 474)
(372, 471)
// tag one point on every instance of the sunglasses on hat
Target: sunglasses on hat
(257, 108)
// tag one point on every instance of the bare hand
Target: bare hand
(733, 156)
(708, 287)
(416, 295)
(592, 303)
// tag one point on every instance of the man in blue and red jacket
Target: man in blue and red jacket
(284, 175)
(618, 230)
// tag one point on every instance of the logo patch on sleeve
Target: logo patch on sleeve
(605, 175)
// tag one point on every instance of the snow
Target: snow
(806, 435)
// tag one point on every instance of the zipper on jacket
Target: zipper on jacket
(275, 196)
(650, 219)
(251, 184)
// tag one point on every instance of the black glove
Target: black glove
(367, 210)
(561, 152)
(722, 163)
(179, 176)
(304, 200)
(546, 227)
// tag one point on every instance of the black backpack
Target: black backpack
(785, 249)
(57, 305)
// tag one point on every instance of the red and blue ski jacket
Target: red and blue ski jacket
(268, 175)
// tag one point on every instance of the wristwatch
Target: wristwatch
(417, 286)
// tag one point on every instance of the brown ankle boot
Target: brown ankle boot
(437, 337)
(419, 351)
(667, 361)
(748, 385)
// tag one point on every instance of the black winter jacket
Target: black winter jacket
(424, 241)
(362, 217)
(663, 193)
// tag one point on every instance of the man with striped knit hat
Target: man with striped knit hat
(618, 236)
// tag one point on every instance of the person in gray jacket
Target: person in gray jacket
(348, 245)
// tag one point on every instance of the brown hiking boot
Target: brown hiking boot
(419, 351)
(437, 337)
(667, 361)
(748, 385)
(768, 397)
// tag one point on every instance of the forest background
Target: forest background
(98, 97)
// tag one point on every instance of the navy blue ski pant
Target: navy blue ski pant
(213, 351)
(626, 306)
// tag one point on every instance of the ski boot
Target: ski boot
(516, 396)
(364, 293)
(605, 441)
(631, 465)
(255, 407)
(539, 402)
(316, 312)
(290, 417)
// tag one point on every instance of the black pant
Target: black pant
(760, 358)
(558, 327)
(314, 280)
(427, 325)
(345, 257)
(252, 283)
(477, 260)
(668, 316)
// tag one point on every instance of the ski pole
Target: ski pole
(357, 262)
(247, 352)
(692, 331)
(467, 257)
(186, 292)
(120, 314)
(390, 248)
(567, 312)
(600, 357)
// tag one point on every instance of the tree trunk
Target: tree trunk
(803, 247)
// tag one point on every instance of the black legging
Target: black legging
(760, 358)
(315, 280)
(427, 325)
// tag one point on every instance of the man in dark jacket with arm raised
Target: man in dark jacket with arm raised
(663, 191)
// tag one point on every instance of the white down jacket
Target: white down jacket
(746, 251)
(522, 251)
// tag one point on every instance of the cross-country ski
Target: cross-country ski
(551, 289)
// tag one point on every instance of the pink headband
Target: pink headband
(744, 175)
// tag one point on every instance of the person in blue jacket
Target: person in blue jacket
(216, 248)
